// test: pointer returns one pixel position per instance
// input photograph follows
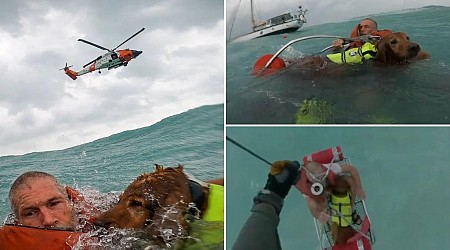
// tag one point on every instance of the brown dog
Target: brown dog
(396, 48)
(341, 233)
(157, 202)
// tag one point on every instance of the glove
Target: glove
(283, 174)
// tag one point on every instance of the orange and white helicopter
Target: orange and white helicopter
(111, 60)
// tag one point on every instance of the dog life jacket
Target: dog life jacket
(215, 209)
(212, 235)
(215, 204)
(343, 206)
(355, 55)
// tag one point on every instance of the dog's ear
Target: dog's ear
(180, 167)
(381, 51)
(159, 168)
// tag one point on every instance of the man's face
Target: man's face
(367, 27)
(42, 204)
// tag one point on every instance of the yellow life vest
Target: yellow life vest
(355, 55)
(344, 207)
(215, 204)
(209, 230)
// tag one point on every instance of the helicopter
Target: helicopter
(111, 60)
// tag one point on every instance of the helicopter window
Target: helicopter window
(114, 56)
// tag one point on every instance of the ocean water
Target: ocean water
(414, 93)
(108, 165)
(404, 172)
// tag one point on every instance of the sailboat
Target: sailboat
(284, 23)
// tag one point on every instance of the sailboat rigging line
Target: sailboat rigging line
(233, 18)
(252, 15)
(247, 150)
(258, 13)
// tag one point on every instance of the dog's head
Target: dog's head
(155, 201)
(397, 48)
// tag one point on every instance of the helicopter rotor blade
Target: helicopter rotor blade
(131, 37)
(93, 44)
(96, 59)
(84, 66)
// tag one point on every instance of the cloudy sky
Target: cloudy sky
(43, 109)
(320, 11)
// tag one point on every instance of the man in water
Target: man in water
(38, 200)
(45, 215)
(367, 26)
(39, 203)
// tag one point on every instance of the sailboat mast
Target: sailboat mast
(253, 15)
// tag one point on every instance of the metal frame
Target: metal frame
(320, 229)
(292, 42)
(364, 38)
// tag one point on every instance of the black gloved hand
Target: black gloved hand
(283, 174)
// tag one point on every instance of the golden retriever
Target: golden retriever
(156, 202)
(396, 48)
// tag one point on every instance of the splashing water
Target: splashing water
(121, 239)
(110, 164)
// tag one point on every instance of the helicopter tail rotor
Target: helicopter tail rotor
(66, 67)
(72, 74)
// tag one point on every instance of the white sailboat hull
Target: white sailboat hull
(290, 26)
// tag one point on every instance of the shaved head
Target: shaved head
(39, 200)
(23, 180)
(367, 26)
(375, 24)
